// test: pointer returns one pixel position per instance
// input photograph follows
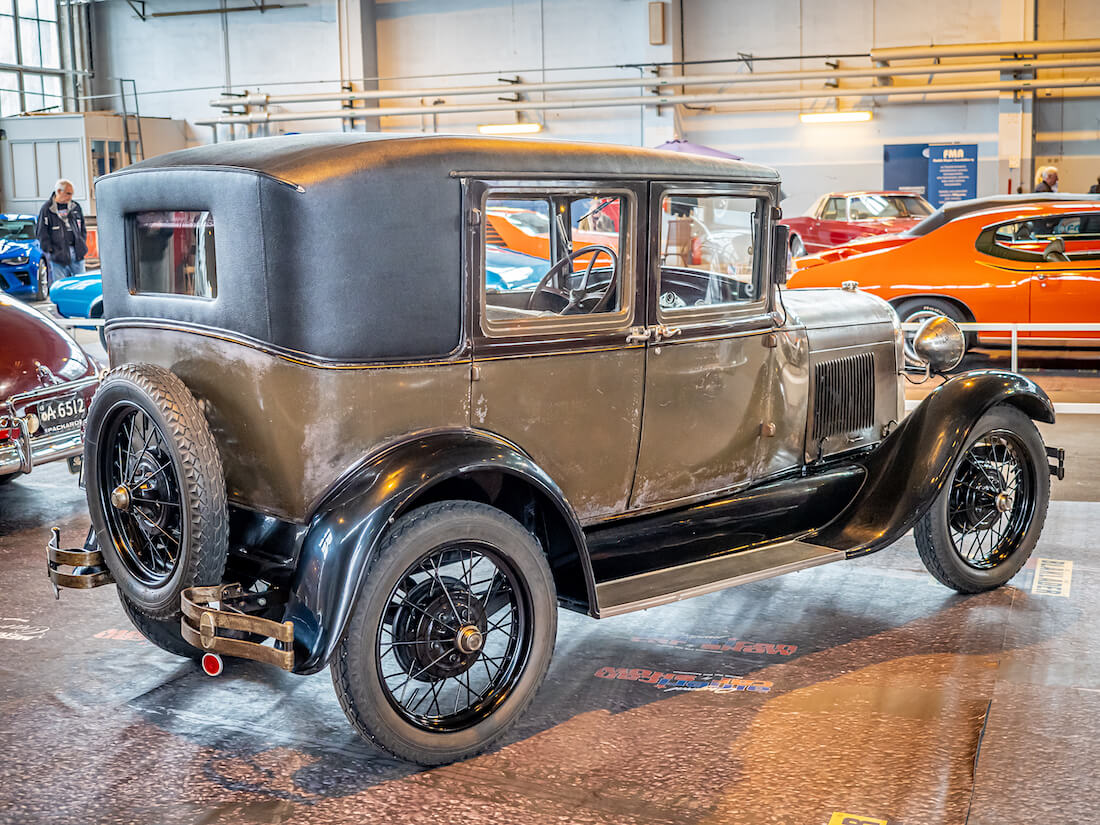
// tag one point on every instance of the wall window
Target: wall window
(29, 37)
(174, 254)
(708, 250)
(553, 255)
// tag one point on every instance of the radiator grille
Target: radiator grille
(844, 395)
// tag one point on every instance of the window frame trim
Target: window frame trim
(743, 315)
(478, 192)
(132, 259)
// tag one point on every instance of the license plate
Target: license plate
(63, 413)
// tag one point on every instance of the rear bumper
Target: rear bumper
(26, 451)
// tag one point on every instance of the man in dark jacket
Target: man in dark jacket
(62, 233)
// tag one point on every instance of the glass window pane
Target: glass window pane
(7, 41)
(99, 158)
(32, 93)
(47, 9)
(51, 91)
(708, 250)
(9, 94)
(28, 8)
(174, 253)
(28, 40)
(552, 255)
(6, 7)
(51, 52)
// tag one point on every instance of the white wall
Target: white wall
(186, 52)
(540, 39)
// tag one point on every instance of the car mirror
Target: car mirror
(780, 254)
(939, 343)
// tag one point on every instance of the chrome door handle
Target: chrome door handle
(661, 332)
(638, 335)
(1040, 277)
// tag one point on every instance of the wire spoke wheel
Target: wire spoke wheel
(141, 495)
(156, 493)
(454, 637)
(987, 518)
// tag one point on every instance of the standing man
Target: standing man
(1046, 180)
(62, 233)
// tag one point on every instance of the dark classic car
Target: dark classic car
(46, 384)
(388, 466)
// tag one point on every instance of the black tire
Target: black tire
(174, 535)
(915, 310)
(164, 633)
(951, 536)
(798, 248)
(374, 701)
(42, 280)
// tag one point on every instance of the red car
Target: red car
(841, 217)
(46, 384)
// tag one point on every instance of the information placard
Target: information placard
(952, 172)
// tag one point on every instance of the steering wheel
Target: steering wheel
(574, 297)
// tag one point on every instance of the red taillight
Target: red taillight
(7, 432)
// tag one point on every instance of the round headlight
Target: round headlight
(939, 343)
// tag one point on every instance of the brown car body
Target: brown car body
(660, 429)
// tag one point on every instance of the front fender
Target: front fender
(347, 526)
(908, 469)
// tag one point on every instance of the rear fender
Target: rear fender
(906, 472)
(348, 526)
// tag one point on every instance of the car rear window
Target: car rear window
(1054, 239)
(174, 254)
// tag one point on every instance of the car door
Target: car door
(1060, 259)
(555, 368)
(708, 356)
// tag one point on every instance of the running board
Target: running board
(707, 576)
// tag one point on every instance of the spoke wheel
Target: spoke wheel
(990, 501)
(457, 627)
(451, 635)
(141, 495)
(155, 488)
(984, 524)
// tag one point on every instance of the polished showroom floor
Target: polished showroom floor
(872, 691)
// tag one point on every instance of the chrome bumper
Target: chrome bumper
(23, 453)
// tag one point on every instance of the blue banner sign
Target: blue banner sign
(952, 172)
(905, 167)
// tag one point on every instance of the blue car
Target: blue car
(24, 271)
(506, 270)
(79, 296)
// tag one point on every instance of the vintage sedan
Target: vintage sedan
(1010, 258)
(404, 481)
(46, 384)
(840, 217)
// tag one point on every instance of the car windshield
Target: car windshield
(867, 207)
(17, 229)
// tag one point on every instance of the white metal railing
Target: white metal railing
(76, 322)
(1014, 329)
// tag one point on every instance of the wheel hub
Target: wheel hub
(432, 644)
(120, 497)
(1004, 502)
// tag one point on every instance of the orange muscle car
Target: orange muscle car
(1013, 258)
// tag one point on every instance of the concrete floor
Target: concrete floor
(882, 695)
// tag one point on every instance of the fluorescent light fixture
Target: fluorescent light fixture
(509, 128)
(834, 117)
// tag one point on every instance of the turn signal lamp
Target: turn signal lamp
(834, 117)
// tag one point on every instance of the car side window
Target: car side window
(707, 250)
(549, 256)
(1052, 240)
(834, 210)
